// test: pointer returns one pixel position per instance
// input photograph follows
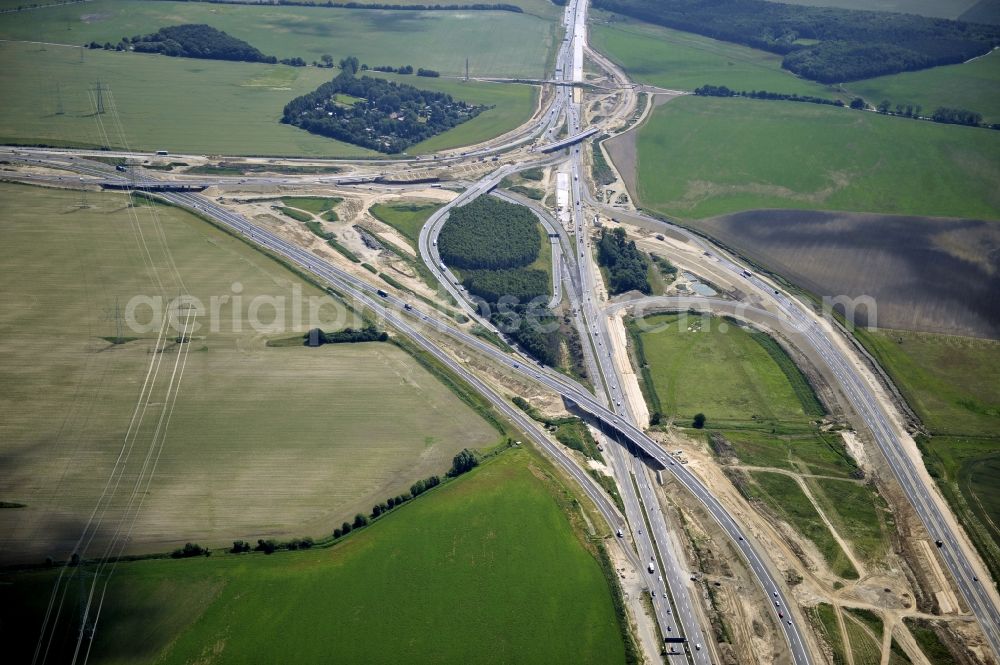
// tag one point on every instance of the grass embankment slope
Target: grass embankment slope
(953, 383)
(761, 410)
(496, 43)
(484, 569)
(263, 441)
(200, 106)
(728, 155)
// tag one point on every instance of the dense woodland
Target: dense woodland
(489, 234)
(852, 44)
(628, 268)
(520, 283)
(196, 40)
(387, 116)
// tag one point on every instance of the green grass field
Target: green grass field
(953, 383)
(485, 569)
(544, 8)
(699, 157)
(824, 618)
(226, 107)
(973, 85)
(718, 368)
(857, 513)
(820, 453)
(407, 217)
(864, 648)
(496, 43)
(681, 60)
(262, 441)
(317, 205)
(786, 499)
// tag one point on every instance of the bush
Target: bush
(189, 550)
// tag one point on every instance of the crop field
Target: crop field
(924, 274)
(786, 499)
(681, 60)
(496, 43)
(406, 217)
(244, 99)
(699, 157)
(489, 559)
(718, 368)
(820, 453)
(937, 8)
(261, 441)
(972, 85)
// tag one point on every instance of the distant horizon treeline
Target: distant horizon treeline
(479, 6)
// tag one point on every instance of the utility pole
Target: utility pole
(99, 92)
(466, 70)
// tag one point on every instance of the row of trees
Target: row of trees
(627, 267)
(490, 234)
(723, 91)
(943, 114)
(197, 40)
(825, 44)
(389, 117)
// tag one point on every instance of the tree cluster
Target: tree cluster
(197, 40)
(189, 550)
(531, 333)
(389, 116)
(490, 234)
(389, 69)
(851, 44)
(430, 73)
(463, 462)
(627, 266)
(723, 91)
(957, 117)
(346, 336)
